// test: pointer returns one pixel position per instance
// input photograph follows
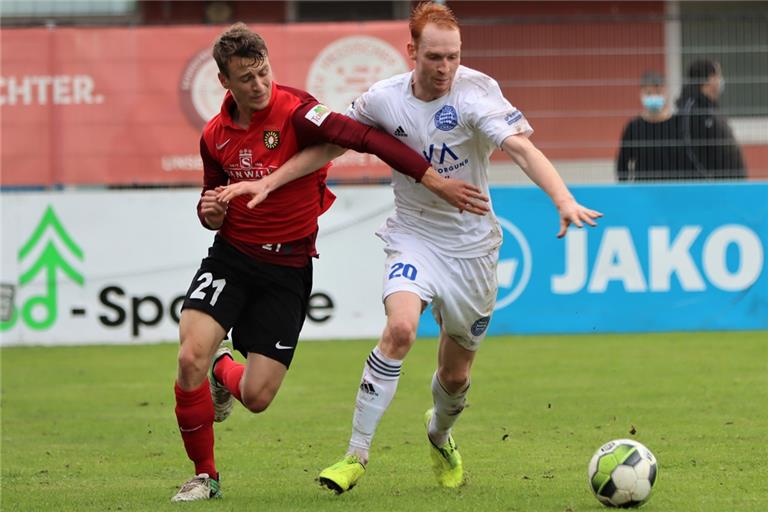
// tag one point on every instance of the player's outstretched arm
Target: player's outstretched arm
(542, 173)
(299, 165)
(344, 131)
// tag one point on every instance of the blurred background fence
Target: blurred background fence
(115, 92)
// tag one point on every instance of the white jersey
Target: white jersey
(457, 134)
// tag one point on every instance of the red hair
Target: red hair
(430, 12)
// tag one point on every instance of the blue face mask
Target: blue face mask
(653, 102)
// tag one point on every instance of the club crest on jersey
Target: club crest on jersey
(246, 158)
(446, 118)
(271, 139)
(318, 113)
(480, 325)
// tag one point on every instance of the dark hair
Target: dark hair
(700, 70)
(238, 41)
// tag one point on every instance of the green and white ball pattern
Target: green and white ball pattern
(622, 473)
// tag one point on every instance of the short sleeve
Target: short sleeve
(363, 109)
(494, 116)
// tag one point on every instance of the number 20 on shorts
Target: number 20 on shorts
(405, 270)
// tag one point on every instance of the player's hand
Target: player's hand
(212, 209)
(458, 193)
(572, 212)
(258, 189)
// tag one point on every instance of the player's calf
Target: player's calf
(222, 398)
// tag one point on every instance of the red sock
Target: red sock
(229, 373)
(194, 413)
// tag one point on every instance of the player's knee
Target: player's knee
(402, 333)
(257, 402)
(192, 363)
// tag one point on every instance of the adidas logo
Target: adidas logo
(368, 388)
(400, 132)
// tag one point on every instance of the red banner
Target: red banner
(125, 106)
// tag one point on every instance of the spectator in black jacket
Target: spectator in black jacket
(651, 144)
(710, 144)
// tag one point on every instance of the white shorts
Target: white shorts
(462, 291)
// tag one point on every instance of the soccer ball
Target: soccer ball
(622, 473)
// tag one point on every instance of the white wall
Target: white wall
(136, 253)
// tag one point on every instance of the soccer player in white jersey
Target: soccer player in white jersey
(435, 254)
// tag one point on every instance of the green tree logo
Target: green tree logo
(49, 262)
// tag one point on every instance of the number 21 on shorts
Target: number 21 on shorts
(405, 270)
(205, 281)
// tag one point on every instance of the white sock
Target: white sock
(447, 410)
(377, 388)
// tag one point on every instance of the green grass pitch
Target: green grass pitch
(93, 428)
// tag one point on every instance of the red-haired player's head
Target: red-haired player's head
(435, 48)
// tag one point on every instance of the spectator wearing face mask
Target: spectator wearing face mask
(651, 144)
(710, 144)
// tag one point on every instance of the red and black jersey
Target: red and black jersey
(282, 229)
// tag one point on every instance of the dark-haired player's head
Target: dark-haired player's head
(244, 68)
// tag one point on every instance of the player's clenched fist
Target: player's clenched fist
(212, 209)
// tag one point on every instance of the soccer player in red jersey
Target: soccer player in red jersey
(257, 277)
